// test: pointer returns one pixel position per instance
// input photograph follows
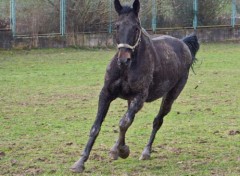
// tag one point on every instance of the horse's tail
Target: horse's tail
(192, 42)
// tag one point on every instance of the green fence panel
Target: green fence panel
(62, 17)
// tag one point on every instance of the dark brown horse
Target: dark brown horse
(143, 69)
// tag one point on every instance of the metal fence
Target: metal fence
(44, 17)
(4, 15)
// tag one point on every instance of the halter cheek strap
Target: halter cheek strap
(124, 45)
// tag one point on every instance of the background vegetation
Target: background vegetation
(48, 102)
(43, 16)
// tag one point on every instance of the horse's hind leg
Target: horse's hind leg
(166, 105)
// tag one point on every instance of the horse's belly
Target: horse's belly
(124, 90)
(157, 91)
(154, 95)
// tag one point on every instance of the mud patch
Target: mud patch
(2, 154)
(96, 157)
(33, 171)
(233, 132)
(175, 150)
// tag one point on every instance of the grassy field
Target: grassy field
(48, 102)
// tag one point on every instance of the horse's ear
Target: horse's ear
(136, 6)
(118, 6)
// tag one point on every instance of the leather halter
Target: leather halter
(124, 45)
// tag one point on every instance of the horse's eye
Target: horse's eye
(136, 29)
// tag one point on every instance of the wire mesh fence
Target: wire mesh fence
(237, 14)
(38, 17)
(4, 14)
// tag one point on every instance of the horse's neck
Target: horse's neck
(141, 52)
(142, 66)
(143, 45)
(146, 48)
(140, 45)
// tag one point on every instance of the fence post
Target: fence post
(110, 17)
(195, 11)
(13, 17)
(63, 17)
(154, 15)
(234, 13)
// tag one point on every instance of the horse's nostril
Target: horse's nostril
(128, 60)
(123, 61)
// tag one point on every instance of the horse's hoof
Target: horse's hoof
(114, 154)
(145, 157)
(77, 168)
(124, 152)
(145, 154)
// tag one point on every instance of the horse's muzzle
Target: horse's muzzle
(124, 57)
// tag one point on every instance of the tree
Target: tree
(209, 11)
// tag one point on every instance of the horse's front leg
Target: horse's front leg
(103, 106)
(120, 149)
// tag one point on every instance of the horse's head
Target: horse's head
(128, 31)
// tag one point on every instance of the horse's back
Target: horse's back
(168, 47)
(172, 50)
(172, 62)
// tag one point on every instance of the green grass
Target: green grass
(48, 102)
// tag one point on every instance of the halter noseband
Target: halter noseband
(124, 45)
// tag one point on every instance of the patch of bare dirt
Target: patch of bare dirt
(43, 100)
(171, 149)
(69, 143)
(233, 132)
(162, 157)
(42, 159)
(33, 171)
(2, 154)
(96, 157)
(191, 165)
(14, 162)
